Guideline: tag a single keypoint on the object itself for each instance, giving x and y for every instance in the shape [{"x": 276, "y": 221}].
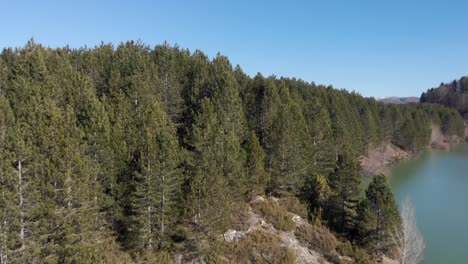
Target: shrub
[
  {"x": 293, "y": 205},
  {"x": 317, "y": 237},
  {"x": 333, "y": 258},
  {"x": 239, "y": 219},
  {"x": 257, "y": 247},
  {"x": 274, "y": 214},
  {"x": 156, "y": 257},
  {"x": 359, "y": 255}
]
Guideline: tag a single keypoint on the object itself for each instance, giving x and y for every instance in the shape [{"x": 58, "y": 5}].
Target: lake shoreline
[{"x": 379, "y": 158}]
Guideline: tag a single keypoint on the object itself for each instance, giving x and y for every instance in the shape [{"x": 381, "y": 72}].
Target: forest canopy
[{"x": 118, "y": 151}]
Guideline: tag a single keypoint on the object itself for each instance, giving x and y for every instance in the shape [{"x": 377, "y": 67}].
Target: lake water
[{"x": 437, "y": 184}]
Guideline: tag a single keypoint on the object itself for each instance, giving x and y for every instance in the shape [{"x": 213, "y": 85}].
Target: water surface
[{"x": 437, "y": 184}]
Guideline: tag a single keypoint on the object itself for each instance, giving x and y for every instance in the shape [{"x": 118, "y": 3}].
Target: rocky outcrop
[
  {"x": 380, "y": 157},
  {"x": 304, "y": 255}
]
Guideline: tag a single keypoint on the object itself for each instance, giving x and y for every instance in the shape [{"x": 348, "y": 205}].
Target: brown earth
[
  {"x": 380, "y": 157},
  {"x": 466, "y": 130},
  {"x": 438, "y": 139}
]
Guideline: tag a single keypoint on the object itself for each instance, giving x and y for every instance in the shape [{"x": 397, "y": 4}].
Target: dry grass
[
  {"x": 239, "y": 219},
  {"x": 279, "y": 217},
  {"x": 161, "y": 257},
  {"x": 317, "y": 237},
  {"x": 260, "y": 247},
  {"x": 293, "y": 205},
  {"x": 359, "y": 255}
]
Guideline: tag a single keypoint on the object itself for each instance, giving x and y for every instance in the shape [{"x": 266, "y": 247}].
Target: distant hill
[
  {"x": 454, "y": 94},
  {"x": 399, "y": 100}
]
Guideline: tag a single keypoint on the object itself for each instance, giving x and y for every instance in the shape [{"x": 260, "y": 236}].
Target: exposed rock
[
  {"x": 297, "y": 220},
  {"x": 379, "y": 157},
  {"x": 387, "y": 260},
  {"x": 233, "y": 235},
  {"x": 346, "y": 259},
  {"x": 304, "y": 255}
]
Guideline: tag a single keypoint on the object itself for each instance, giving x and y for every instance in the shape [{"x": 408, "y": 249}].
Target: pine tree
[
  {"x": 10, "y": 207},
  {"x": 288, "y": 147},
  {"x": 380, "y": 222},
  {"x": 344, "y": 183},
  {"x": 227, "y": 104},
  {"x": 157, "y": 185},
  {"x": 165, "y": 57},
  {"x": 258, "y": 178},
  {"x": 209, "y": 189}
]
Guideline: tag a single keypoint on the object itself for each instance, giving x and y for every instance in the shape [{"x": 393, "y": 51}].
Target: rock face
[
  {"x": 304, "y": 255},
  {"x": 378, "y": 158}
]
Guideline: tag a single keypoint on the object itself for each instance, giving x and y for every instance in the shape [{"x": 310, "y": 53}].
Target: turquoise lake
[{"x": 437, "y": 184}]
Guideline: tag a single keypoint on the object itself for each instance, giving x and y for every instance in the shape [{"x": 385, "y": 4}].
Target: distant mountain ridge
[
  {"x": 454, "y": 94},
  {"x": 399, "y": 100}
]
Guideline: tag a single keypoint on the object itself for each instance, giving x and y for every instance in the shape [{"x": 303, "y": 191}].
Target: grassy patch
[
  {"x": 317, "y": 237},
  {"x": 257, "y": 247},
  {"x": 293, "y": 205},
  {"x": 279, "y": 217},
  {"x": 358, "y": 254}
]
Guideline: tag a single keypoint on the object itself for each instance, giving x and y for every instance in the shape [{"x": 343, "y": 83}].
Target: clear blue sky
[{"x": 378, "y": 48}]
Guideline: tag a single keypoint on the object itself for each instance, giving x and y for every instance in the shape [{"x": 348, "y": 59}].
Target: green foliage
[
  {"x": 380, "y": 222},
  {"x": 317, "y": 192},
  {"x": 257, "y": 247},
  {"x": 258, "y": 178},
  {"x": 357, "y": 254},
  {"x": 454, "y": 94},
  {"x": 113, "y": 151},
  {"x": 208, "y": 185},
  {"x": 344, "y": 182}
]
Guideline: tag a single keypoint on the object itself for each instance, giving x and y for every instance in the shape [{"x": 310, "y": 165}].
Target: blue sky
[{"x": 377, "y": 48}]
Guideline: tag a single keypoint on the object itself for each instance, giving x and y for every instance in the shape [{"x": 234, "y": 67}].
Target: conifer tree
[
  {"x": 379, "y": 219},
  {"x": 258, "y": 178},
  {"x": 155, "y": 201},
  {"x": 231, "y": 121},
  {"x": 209, "y": 189},
  {"x": 165, "y": 57},
  {"x": 9, "y": 204},
  {"x": 288, "y": 147},
  {"x": 344, "y": 183}
]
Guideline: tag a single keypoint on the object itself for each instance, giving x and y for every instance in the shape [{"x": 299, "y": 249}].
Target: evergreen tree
[
  {"x": 379, "y": 219},
  {"x": 344, "y": 183},
  {"x": 209, "y": 189},
  {"x": 157, "y": 191},
  {"x": 134, "y": 142},
  {"x": 165, "y": 57},
  {"x": 258, "y": 178},
  {"x": 288, "y": 147}
]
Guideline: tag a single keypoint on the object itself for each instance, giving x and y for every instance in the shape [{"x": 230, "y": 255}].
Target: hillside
[
  {"x": 453, "y": 94},
  {"x": 137, "y": 154},
  {"x": 399, "y": 100}
]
